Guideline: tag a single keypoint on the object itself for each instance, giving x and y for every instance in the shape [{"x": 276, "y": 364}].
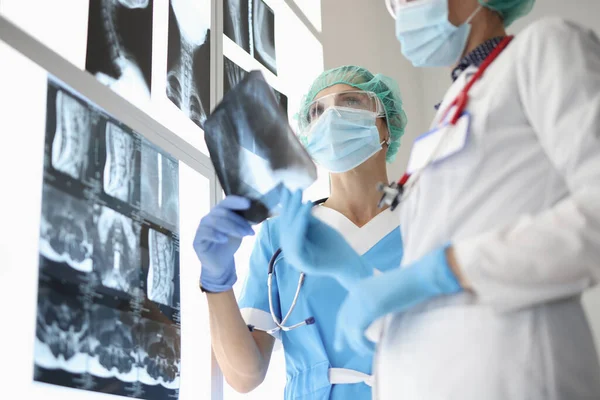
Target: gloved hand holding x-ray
[{"x": 254, "y": 150}]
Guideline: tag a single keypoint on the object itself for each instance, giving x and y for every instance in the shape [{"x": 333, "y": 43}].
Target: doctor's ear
[{"x": 382, "y": 127}]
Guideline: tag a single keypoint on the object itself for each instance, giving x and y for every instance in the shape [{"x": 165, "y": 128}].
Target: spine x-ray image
[
  {"x": 66, "y": 229},
  {"x": 71, "y": 143},
  {"x": 160, "y": 354},
  {"x": 160, "y": 185},
  {"x": 121, "y": 171},
  {"x": 161, "y": 271},
  {"x": 188, "y": 58},
  {"x": 236, "y": 19},
  {"x": 62, "y": 328},
  {"x": 117, "y": 258},
  {"x": 107, "y": 268},
  {"x": 119, "y": 47}
]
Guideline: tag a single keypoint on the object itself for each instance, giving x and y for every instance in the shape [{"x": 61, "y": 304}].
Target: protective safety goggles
[
  {"x": 351, "y": 99},
  {"x": 394, "y": 5}
]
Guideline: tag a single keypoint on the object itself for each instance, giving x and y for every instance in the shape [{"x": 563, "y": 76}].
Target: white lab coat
[{"x": 521, "y": 204}]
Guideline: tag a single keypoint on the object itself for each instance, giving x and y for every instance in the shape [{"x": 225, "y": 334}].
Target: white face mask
[
  {"x": 427, "y": 37},
  {"x": 344, "y": 138}
]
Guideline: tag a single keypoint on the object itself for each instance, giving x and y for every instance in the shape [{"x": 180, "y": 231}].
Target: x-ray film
[
  {"x": 117, "y": 258},
  {"x": 251, "y": 25},
  {"x": 263, "y": 35},
  {"x": 71, "y": 142},
  {"x": 188, "y": 59},
  {"x": 233, "y": 74},
  {"x": 120, "y": 169},
  {"x": 108, "y": 315},
  {"x": 161, "y": 274},
  {"x": 119, "y": 46},
  {"x": 253, "y": 148}
]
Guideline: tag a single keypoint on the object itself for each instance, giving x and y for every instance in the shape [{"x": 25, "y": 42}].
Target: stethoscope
[
  {"x": 281, "y": 324},
  {"x": 397, "y": 192}
]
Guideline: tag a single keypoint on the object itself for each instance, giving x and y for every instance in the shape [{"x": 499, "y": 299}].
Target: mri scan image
[
  {"x": 120, "y": 171},
  {"x": 62, "y": 329},
  {"x": 113, "y": 350},
  {"x": 160, "y": 354},
  {"x": 71, "y": 143},
  {"x": 117, "y": 258},
  {"x": 161, "y": 271},
  {"x": 160, "y": 185},
  {"x": 263, "y": 28},
  {"x": 119, "y": 48},
  {"x": 188, "y": 58},
  {"x": 66, "y": 229}
]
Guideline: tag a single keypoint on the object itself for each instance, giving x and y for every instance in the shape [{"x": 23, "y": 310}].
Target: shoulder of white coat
[{"x": 553, "y": 33}]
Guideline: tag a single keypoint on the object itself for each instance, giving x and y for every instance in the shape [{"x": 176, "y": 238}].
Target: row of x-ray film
[
  {"x": 119, "y": 51},
  {"x": 108, "y": 292},
  {"x": 251, "y": 25}
]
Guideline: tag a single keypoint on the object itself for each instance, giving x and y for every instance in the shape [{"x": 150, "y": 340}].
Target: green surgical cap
[
  {"x": 385, "y": 88},
  {"x": 509, "y": 10}
]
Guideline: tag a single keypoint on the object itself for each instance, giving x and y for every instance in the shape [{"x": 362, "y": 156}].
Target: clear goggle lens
[{"x": 352, "y": 99}]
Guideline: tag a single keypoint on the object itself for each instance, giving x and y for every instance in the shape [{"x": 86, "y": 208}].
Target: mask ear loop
[{"x": 473, "y": 15}]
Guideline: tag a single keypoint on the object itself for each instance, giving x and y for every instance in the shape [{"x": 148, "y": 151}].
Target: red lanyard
[{"x": 460, "y": 102}]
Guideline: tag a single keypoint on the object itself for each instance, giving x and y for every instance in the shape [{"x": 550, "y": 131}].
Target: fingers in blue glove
[
  {"x": 290, "y": 203},
  {"x": 357, "y": 341},
  {"x": 284, "y": 196},
  {"x": 210, "y": 235},
  {"x": 232, "y": 202},
  {"x": 225, "y": 219},
  {"x": 302, "y": 218}
]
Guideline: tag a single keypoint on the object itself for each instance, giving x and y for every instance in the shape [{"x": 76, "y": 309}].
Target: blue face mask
[
  {"x": 427, "y": 38},
  {"x": 343, "y": 138}
]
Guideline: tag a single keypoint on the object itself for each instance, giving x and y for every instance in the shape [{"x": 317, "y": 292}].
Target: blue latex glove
[
  {"x": 391, "y": 292},
  {"x": 218, "y": 237},
  {"x": 315, "y": 248}
]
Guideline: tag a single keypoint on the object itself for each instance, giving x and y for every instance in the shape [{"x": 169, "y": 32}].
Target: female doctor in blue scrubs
[
  {"x": 351, "y": 122},
  {"x": 500, "y": 216}
]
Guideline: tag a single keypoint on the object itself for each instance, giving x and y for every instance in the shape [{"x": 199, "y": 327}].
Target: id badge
[{"x": 439, "y": 143}]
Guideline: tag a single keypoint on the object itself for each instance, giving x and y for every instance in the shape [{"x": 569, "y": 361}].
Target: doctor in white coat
[{"x": 500, "y": 216}]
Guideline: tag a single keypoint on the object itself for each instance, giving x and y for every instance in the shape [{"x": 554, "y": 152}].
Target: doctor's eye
[
  {"x": 355, "y": 100},
  {"x": 315, "y": 111}
]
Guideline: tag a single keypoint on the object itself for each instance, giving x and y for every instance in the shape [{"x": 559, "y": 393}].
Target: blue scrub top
[{"x": 309, "y": 349}]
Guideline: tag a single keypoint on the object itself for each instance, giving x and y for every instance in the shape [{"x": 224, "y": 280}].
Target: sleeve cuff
[{"x": 262, "y": 321}]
